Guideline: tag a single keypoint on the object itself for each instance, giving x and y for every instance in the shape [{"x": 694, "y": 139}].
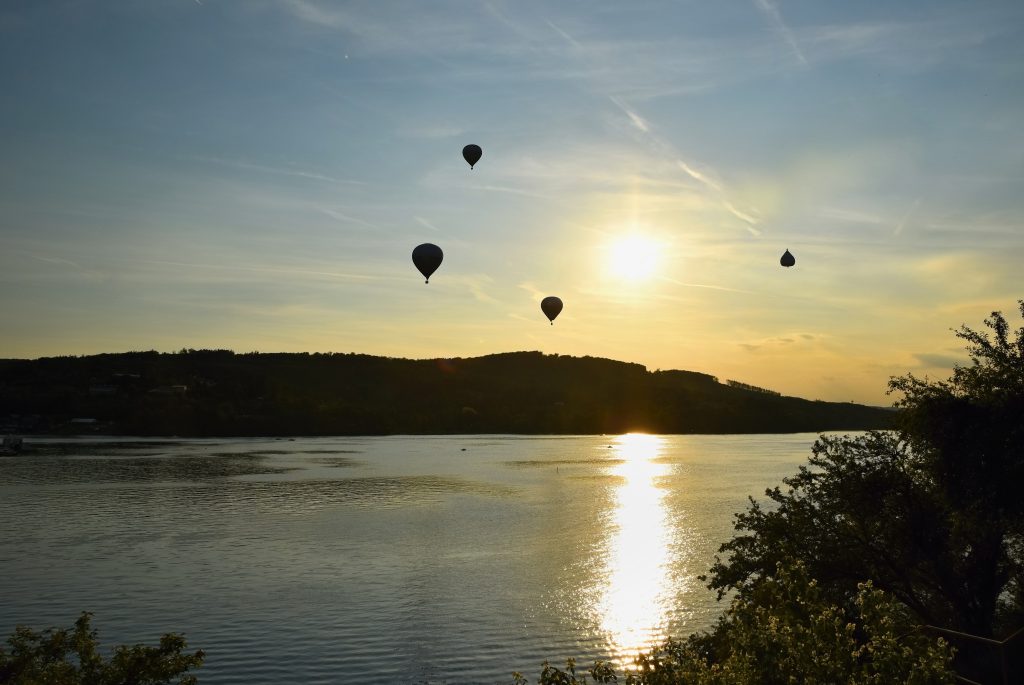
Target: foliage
[
  {"x": 932, "y": 512},
  {"x": 72, "y": 657},
  {"x": 782, "y": 630},
  {"x": 976, "y": 412},
  {"x": 349, "y": 394},
  {"x": 751, "y": 388},
  {"x": 860, "y": 509}
]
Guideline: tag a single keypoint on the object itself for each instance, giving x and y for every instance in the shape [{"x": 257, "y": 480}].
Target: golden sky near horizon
[{"x": 254, "y": 176}]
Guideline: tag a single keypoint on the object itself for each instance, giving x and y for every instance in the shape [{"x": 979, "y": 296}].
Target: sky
[{"x": 254, "y": 174}]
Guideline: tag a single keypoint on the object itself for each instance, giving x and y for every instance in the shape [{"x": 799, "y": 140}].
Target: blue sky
[{"x": 254, "y": 175}]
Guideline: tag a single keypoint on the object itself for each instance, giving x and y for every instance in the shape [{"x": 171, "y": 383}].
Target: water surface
[{"x": 386, "y": 559}]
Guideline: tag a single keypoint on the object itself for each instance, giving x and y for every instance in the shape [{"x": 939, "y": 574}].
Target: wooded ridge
[{"x": 221, "y": 393}]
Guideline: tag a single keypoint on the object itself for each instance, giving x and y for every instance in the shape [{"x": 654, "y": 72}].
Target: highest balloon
[{"x": 472, "y": 154}]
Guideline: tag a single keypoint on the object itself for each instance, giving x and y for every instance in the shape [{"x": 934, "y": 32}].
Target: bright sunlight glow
[
  {"x": 634, "y": 604},
  {"x": 633, "y": 257}
]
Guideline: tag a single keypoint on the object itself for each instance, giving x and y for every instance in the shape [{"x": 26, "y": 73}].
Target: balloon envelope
[
  {"x": 787, "y": 259},
  {"x": 551, "y": 306},
  {"x": 472, "y": 154},
  {"x": 427, "y": 257}
]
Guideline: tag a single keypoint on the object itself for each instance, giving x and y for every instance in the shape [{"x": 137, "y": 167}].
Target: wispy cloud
[
  {"x": 139, "y": 268},
  {"x": 61, "y": 262},
  {"x": 634, "y": 118},
  {"x": 854, "y": 216},
  {"x": 709, "y": 287},
  {"x": 259, "y": 269},
  {"x": 746, "y": 218},
  {"x": 940, "y": 361},
  {"x": 339, "y": 216},
  {"x": 568, "y": 39},
  {"x": 476, "y": 284},
  {"x": 507, "y": 189},
  {"x": 906, "y": 217},
  {"x": 315, "y": 14},
  {"x": 433, "y": 131},
  {"x": 417, "y": 28},
  {"x": 508, "y": 43},
  {"x": 902, "y": 44},
  {"x": 699, "y": 176},
  {"x": 282, "y": 171},
  {"x": 782, "y": 341},
  {"x": 638, "y": 121},
  {"x": 770, "y": 10},
  {"x": 534, "y": 291},
  {"x": 426, "y": 224},
  {"x": 705, "y": 178}
]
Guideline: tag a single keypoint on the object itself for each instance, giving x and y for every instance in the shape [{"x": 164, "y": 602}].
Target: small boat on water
[{"x": 10, "y": 446}]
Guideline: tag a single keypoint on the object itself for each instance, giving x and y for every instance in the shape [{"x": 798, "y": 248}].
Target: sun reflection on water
[{"x": 634, "y": 605}]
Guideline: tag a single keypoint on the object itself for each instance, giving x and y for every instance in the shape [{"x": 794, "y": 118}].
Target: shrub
[{"x": 72, "y": 657}]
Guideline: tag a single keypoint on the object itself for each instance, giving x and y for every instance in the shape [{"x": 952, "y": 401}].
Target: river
[{"x": 387, "y": 559}]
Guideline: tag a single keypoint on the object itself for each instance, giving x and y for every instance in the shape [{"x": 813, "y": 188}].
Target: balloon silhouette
[
  {"x": 472, "y": 154},
  {"x": 427, "y": 257},
  {"x": 551, "y": 306},
  {"x": 787, "y": 259}
]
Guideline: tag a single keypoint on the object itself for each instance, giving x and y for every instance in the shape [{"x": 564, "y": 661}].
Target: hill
[{"x": 221, "y": 393}]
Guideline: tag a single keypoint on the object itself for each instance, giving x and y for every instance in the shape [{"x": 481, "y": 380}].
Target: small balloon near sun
[
  {"x": 551, "y": 306},
  {"x": 788, "y": 259}
]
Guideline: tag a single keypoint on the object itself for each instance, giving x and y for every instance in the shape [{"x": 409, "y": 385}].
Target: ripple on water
[
  {"x": 412, "y": 562},
  {"x": 127, "y": 469},
  {"x": 541, "y": 463}
]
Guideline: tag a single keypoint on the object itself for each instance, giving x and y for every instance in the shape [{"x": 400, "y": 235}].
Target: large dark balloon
[
  {"x": 787, "y": 259},
  {"x": 427, "y": 257},
  {"x": 551, "y": 306},
  {"x": 472, "y": 154}
]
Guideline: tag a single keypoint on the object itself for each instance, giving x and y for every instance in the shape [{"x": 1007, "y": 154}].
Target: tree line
[{"x": 220, "y": 393}]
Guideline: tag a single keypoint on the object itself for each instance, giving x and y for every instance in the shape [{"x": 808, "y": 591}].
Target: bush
[
  {"x": 71, "y": 657},
  {"x": 931, "y": 512}
]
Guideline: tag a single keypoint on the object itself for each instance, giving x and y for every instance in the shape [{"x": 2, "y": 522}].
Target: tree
[
  {"x": 72, "y": 657},
  {"x": 969, "y": 433},
  {"x": 931, "y": 512},
  {"x": 783, "y": 629}
]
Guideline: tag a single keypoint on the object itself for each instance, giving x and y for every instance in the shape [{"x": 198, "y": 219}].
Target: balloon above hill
[
  {"x": 472, "y": 154},
  {"x": 551, "y": 306},
  {"x": 787, "y": 259},
  {"x": 427, "y": 257}
]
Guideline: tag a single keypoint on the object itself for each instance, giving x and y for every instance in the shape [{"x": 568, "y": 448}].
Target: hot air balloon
[
  {"x": 787, "y": 259},
  {"x": 472, "y": 154},
  {"x": 427, "y": 257},
  {"x": 551, "y": 306}
]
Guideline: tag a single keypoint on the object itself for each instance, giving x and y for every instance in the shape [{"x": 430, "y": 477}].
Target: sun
[{"x": 634, "y": 258}]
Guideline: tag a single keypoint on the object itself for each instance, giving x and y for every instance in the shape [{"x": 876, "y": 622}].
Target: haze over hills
[{"x": 221, "y": 393}]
